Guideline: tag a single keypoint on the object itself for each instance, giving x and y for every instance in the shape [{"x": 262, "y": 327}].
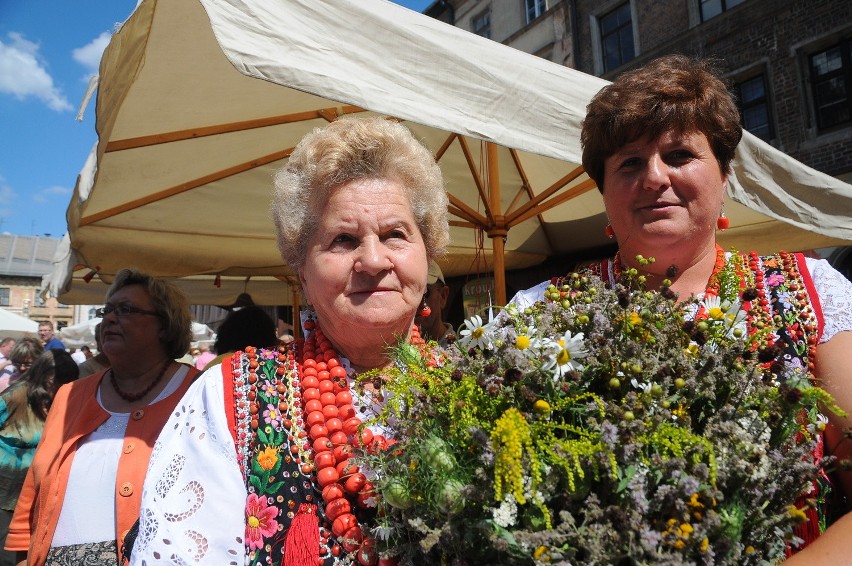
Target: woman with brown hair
[{"x": 84, "y": 486}]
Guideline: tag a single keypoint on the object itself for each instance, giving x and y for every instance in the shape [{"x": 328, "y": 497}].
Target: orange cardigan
[{"x": 74, "y": 414}]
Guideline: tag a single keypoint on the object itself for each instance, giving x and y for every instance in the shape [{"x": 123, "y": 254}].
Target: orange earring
[
  {"x": 610, "y": 233},
  {"x": 425, "y": 310},
  {"x": 723, "y": 222}
]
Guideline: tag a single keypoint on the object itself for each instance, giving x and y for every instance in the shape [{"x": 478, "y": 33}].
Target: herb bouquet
[{"x": 598, "y": 426}]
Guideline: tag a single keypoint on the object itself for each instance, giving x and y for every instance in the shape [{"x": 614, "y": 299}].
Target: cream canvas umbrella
[
  {"x": 199, "y": 102},
  {"x": 15, "y": 326},
  {"x": 83, "y": 333},
  {"x": 73, "y": 283}
]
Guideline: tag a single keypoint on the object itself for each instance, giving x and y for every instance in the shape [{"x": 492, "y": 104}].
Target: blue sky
[{"x": 49, "y": 49}]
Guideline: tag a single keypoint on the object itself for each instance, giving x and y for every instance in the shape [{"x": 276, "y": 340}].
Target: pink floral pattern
[{"x": 260, "y": 520}]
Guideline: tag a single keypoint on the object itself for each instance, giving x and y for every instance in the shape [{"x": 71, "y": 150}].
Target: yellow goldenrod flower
[{"x": 694, "y": 503}]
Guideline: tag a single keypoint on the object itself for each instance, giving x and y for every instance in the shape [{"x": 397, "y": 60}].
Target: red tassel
[{"x": 301, "y": 547}]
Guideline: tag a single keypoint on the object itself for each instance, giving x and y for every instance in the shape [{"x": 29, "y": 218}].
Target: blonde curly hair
[{"x": 349, "y": 149}]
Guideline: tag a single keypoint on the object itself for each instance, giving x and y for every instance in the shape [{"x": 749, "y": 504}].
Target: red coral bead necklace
[{"x": 334, "y": 432}]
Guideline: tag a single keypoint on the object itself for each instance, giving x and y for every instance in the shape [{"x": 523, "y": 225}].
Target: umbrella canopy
[
  {"x": 199, "y": 102},
  {"x": 72, "y": 283},
  {"x": 15, "y": 326},
  {"x": 83, "y": 334}
]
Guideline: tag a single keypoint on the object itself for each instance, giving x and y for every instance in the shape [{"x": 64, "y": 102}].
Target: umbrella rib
[
  {"x": 525, "y": 188},
  {"x": 476, "y": 179},
  {"x": 534, "y": 202},
  {"x": 465, "y": 212},
  {"x": 461, "y": 224},
  {"x": 192, "y": 133},
  {"x": 183, "y": 187},
  {"x": 576, "y": 191}
]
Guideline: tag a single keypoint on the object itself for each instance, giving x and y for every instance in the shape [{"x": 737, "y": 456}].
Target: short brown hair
[
  {"x": 669, "y": 93},
  {"x": 27, "y": 348},
  {"x": 170, "y": 304}
]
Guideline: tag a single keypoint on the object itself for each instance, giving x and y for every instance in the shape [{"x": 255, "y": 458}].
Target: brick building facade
[{"x": 790, "y": 61}]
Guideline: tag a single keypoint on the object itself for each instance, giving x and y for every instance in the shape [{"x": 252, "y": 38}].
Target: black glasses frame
[{"x": 123, "y": 310}]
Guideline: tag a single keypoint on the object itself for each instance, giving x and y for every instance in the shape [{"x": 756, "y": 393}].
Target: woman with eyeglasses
[
  {"x": 83, "y": 490},
  {"x": 23, "y": 355}
]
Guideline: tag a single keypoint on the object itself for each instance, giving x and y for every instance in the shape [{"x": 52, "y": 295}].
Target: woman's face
[
  {"x": 135, "y": 334},
  {"x": 664, "y": 192},
  {"x": 365, "y": 271}
]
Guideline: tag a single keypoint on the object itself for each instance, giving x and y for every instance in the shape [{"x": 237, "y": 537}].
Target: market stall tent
[
  {"x": 16, "y": 326},
  {"x": 200, "y": 101}
]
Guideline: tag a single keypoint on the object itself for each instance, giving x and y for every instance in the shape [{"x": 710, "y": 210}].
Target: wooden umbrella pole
[{"x": 497, "y": 232}]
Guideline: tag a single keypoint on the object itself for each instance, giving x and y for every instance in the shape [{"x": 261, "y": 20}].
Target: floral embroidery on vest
[{"x": 273, "y": 452}]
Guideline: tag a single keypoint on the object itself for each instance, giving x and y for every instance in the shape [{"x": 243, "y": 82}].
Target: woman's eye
[
  {"x": 343, "y": 238},
  {"x": 680, "y": 155},
  {"x": 629, "y": 163}
]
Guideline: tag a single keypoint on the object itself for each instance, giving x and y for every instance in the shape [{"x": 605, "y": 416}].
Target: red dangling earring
[
  {"x": 723, "y": 222},
  {"x": 610, "y": 233},
  {"x": 425, "y": 310}
]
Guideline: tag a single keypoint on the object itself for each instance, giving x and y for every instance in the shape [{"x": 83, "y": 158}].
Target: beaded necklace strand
[
  {"x": 335, "y": 432},
  {"x": 132, "y": 397}
]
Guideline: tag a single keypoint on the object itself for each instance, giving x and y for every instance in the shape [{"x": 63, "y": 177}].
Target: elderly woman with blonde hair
[{"x": 360, "y": 209}]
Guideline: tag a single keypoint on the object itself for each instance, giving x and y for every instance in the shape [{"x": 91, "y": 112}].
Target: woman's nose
[
  {"x": 657, "y": 174},
  {"x": 373, "y": 257}
]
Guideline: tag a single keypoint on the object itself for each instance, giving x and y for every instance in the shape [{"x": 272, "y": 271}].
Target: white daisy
[
  {"x": 644, "y": 387},
  {"x": 818, "y": 425},
  {"x": 566, "y": 352},
  {"x": 735, "y": 319},
  {"x": 475, "y": 333}
]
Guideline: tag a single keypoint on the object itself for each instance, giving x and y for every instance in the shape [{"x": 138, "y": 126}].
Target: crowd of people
[{"x": 125, "y": 450}]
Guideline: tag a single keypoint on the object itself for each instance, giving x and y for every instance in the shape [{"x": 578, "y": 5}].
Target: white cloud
[
  {"x": 50, "y": 194},
  {"x": 22, "y": 73},
  {"x": 90, "y": 54}
]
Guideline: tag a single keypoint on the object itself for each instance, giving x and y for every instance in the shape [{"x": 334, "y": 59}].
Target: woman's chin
[
  {"x": 368, "y": 321},
  {"x": 661, "y": 237}
]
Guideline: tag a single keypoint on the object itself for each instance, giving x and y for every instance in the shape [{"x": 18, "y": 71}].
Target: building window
[
  {"x": 831, "y": 80},
  {"x": 712, "y": 8},
  {"x": 4, "y": 296},
  {"x": 482, "y": 24},
  {"x": 754, "y": 107},
  {"x": 535, "y": 8},
  {"x": 617, "y": 37}
]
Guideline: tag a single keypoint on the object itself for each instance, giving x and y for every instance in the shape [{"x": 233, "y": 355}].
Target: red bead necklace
[{"x": 334, "y": 431}]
